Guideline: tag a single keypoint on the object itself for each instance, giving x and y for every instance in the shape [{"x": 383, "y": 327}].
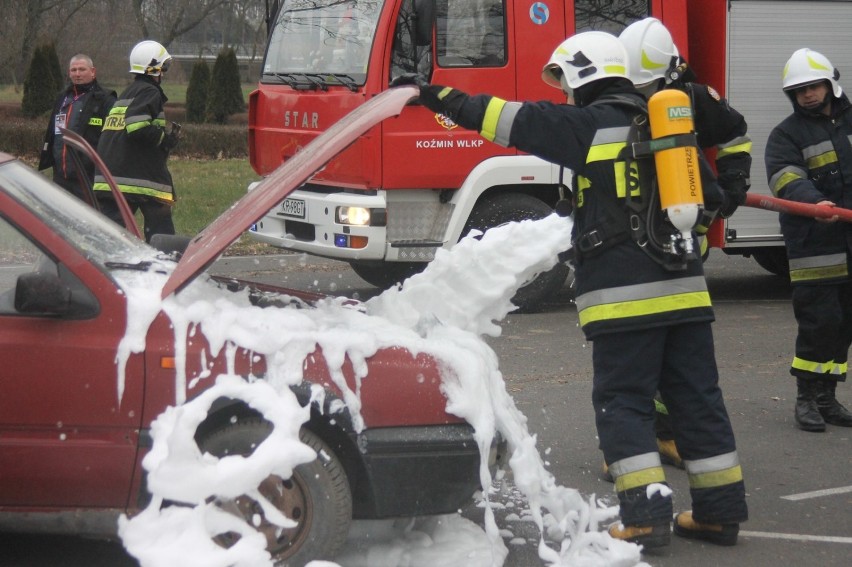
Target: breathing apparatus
[{"x": 677, "y": 162}]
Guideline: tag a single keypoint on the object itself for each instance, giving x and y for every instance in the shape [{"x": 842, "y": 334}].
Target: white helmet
[
  {"x": 583, "y": 58},
  {"x": 806, "y": 67},
  {"x": 650, "y": 50},
  {"x": 149, "y": 58}
]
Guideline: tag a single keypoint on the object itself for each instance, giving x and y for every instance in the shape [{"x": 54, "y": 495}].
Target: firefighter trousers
[
  {"x": 679, "y": 361},
  {"x": 156, "y": 214},
  {"x": 824, "y": 315}
]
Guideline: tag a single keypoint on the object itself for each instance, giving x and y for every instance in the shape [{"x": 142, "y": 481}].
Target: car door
[{"x": 66, "y": 439}]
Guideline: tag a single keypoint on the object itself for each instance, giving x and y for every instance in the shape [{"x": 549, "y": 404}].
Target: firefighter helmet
[
  {"x": 651, "y": 51},
  {"x": 806, "y": 67},
  {"x": 583, "y": 58},
  {"x": 149, "y": 58}
]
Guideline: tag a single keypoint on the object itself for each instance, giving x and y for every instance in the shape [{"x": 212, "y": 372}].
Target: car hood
[{"x": 212, "y": 241}]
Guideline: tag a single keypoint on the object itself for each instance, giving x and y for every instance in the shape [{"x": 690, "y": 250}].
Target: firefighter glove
[
  {"x": 170, "y": 140},
  {"x": 731, "y": 200},
  {"x": 409, "y": 79},
  {"x": 443, "y": 100},
  {"x": 734, "y": 185}
]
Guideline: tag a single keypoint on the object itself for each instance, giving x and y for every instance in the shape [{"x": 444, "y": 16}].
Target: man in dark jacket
[
  {"x": 809, "y": 159},
  {"x": 136, "y": 142},
  {"x": 81, "y": 108},
  {"x": 645, "y": 306}
]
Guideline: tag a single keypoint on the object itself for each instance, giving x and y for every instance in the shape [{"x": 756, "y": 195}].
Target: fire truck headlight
[{"x": 358, "y": 216}]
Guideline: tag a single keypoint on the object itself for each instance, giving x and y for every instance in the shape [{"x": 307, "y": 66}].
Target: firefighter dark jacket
[
  {"x": 809, "y": 159},
  {"x": 84, "y": 110},
  {"x": 619, "y": 288},
  {"x": 722, "y": 128},
  {"x": 131, "y": 144}
]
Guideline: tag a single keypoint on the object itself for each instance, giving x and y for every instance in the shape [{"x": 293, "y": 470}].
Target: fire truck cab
[{"x": 419, "y": 183}]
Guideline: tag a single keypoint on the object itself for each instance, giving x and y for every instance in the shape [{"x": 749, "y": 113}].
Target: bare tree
[
  {"x": 166, "y": 20},
  {"x": 107, "y": 29},
  {"x": 25, "y": 22}
]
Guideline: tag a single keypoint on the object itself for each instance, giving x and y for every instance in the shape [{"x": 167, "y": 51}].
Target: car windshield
[
  {"x": 317, "y": 43},
  {"x": 93, "y": 235}
]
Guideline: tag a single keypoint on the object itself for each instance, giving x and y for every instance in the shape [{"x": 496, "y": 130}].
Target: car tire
[
  {"x": 501, "y": 208},
  {"x": 317, "y": 496}
]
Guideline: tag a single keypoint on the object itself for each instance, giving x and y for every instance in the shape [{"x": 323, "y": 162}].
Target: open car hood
[{"x": 212, "y": 241}]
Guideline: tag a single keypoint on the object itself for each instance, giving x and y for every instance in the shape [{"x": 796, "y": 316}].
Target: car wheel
[
  {"x": 385, "y": 275},
  {"x": 773, "y": 260},
  {"x": 507, "y": 207},
  {"x": 317, "y": 496}
]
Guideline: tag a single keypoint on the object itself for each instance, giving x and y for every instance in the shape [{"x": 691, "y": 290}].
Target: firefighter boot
[
  {"x": 646, "y": 536},
  {"x": 830, "y": 409},
  {"x": 605, "y": 474},
  {"x": 720, "y": 534},
  {"x": 808, "y": 416},
  {"x": 668, "y": 452}
]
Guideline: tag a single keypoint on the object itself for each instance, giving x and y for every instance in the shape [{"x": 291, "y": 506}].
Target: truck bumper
[
  {"x": 416, "y": 224},
  {"x": 317, "y": 232},
  {"x": 422, "y": 470}
]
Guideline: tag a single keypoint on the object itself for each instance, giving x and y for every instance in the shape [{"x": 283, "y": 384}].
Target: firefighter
[
  {"x": 647, "y": 311},
  {"x": 655, "y": 64},
  {"x": 809, "y": 159},
  {"x": 136, "y": 142}
]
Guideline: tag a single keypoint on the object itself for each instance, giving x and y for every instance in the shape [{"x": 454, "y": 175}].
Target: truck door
[{"x": 472, "y": 50}]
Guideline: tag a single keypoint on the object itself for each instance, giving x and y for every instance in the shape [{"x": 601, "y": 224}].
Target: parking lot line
[
  {"x": 818, "y": 493},
  {"x": 797, "y": 537}
]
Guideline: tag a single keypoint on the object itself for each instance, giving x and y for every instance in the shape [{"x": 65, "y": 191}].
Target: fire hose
[{"x": 796, "y": 208}]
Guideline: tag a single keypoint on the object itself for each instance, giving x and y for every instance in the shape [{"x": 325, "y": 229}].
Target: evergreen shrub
[{"x": 196, "y": 93}]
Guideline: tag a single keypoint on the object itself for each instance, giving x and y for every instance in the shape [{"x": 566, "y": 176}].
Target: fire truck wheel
[
  {"x": 317, "y": 496},
  {"x": 501, "y": 208},
  {"x": 773, "y": 260},
  {"x": 386, "y": 274}
]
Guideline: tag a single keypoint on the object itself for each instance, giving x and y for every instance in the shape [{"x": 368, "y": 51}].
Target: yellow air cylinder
[{"x": 678, "y": 173}]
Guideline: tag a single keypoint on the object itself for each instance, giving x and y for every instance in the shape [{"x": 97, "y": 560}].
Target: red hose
[{"x": 796, "y": 208}]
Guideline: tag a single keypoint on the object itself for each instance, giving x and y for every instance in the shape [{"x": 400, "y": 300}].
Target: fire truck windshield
[{"x": 317, "y": 43}]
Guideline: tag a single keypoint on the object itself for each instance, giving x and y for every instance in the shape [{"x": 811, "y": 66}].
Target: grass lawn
[{"x": 207, "y": 188}]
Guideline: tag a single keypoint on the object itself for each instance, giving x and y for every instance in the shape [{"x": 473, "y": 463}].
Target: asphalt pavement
[{"x": 799, "y": 484}]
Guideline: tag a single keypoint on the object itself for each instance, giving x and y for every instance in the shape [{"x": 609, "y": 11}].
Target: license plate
[{"x": 293, "y": 208}]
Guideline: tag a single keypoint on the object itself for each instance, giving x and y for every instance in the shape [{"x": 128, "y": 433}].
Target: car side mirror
[
  {"x": 51, "y": 294},
  {"x": 40, "y": 293}
]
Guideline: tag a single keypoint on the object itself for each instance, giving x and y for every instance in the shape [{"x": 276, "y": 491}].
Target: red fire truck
[{"x": 419, "y": 183}]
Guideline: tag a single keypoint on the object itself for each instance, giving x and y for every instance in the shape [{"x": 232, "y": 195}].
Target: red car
[{"x": 71, "y": 445}]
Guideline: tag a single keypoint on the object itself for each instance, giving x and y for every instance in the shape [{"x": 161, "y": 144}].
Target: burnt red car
[{"x": 71, "y": 447}]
